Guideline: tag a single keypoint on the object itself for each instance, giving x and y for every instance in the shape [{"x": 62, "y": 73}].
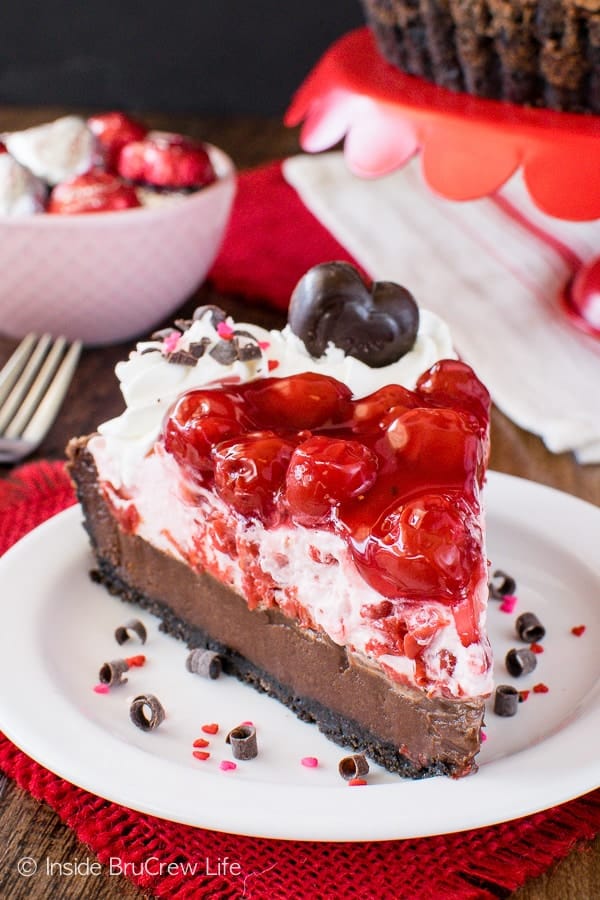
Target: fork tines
[{"x": 33, "y": 384}]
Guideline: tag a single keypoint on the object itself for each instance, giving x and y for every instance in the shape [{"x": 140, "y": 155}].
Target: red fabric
[
  {"x": 473, "y": 865},
  {"x": 271, "y": 241}
]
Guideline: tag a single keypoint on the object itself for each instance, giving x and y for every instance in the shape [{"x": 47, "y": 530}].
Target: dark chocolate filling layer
[{"x": 352, "y": 703}]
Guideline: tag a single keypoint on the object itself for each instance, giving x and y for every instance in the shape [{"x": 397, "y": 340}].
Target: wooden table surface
[{"x": 28, "y": 828}]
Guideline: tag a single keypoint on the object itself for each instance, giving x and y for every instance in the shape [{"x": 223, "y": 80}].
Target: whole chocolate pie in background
[{"x": 543, "y": 53}]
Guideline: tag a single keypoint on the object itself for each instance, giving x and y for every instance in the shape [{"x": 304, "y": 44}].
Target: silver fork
[{"x": 33, "y": 384}]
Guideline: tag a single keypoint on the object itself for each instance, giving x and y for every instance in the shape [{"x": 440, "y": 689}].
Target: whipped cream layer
[{"x": 308, "y": 573}]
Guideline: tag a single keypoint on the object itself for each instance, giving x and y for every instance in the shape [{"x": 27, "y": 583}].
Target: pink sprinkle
[
  {"x": 264, "y": 345},
  {"x": 483, "y": 737},
  {"x": 508, "y": 604},
  {"x": 101, "y": 688},
  {"x": 247, "y": 722},
  {"x": 171, "y": 341},
  {"x": 225, "y": 331},
  {"x": 226, "y": 766},
  {"x": 311, "y": 762}
]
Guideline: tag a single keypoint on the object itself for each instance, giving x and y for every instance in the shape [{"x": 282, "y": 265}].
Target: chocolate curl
[
  {"x": 182, "y": 358},
  {"x": 146, "y": 712},
  {"x": 506, "y": 700},
  {"x": 243, "y": 742},
  {"x": 520, "y": 662},
  {"x": 225, "y": 353},
  {"x": 353, "y": 766},
  {"x": 216, "y": 314},
  {"x": 502, "y": 585},
  {"x": 112, "y": 672},
  {"x": 529, "y": 628},
  {"x": 123, "y": 632},
  {"x": 204, "y": 663}
]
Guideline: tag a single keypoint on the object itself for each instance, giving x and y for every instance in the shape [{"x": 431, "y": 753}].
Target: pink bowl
[{"x": 109, "y": 277}]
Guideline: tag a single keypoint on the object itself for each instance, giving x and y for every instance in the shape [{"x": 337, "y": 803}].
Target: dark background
[{"x": 209, "y": 56}]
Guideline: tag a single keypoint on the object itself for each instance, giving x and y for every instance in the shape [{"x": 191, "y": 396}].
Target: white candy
[
  {"x": 56, "y": 151},
  {"x": 21, "y": 193}
]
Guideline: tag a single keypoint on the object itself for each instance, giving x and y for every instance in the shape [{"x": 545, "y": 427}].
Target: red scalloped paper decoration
[{"x": 469, "y": 146}]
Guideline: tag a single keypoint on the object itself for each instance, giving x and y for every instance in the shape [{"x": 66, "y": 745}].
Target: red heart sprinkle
[
  {"x": 355, "y": 782},
  {"x": 272, "y": 364},
  {"x": 523, "y": 695},
  {"x": 536, "y": 648},
  {"x": 225, "y": 331},
  {"x": 200, "y": 742},
  {"x": 211, "y": 728},
  {"x": 200, "y": 754},
  {"x": 578, "y": 630},
  {"x": 540, "y": 688},
  {"x": 139, "y": 660}
]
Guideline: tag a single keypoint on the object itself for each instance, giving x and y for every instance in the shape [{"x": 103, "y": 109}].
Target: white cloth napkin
[{"x": 494, "y": 281}]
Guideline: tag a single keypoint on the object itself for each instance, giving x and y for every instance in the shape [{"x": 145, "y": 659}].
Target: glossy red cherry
[
  {"x": 452, "y": 383},
  {"x": 298, "y": 402},
  {"x": 167, "y": 161},
  {"x": 428, "y": 547},
  {"x": 113, "y": 130},
  {"x": 91, "y": 193},
  {"x": 375, "y": 409},
  {"x": 435, "y": 447},
  {"x": 250, "y": 472},
  {"x": 325, "y": 471},
  {"x": 198, "y": 420}
]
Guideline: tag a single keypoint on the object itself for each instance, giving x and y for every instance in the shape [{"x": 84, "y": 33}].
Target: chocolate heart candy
[{"x": 331, "y": 303}]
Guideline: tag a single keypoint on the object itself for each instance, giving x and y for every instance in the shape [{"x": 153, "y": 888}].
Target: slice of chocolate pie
[{"x": 307, "y": 503}]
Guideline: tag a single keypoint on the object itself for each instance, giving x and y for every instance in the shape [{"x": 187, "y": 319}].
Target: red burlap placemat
[
  {"x": 270, "y": 242},
  {"x": 485, "y": 863}
]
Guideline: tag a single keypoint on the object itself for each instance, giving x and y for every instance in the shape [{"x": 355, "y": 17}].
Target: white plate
[{"x": 57, "y": 629}]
